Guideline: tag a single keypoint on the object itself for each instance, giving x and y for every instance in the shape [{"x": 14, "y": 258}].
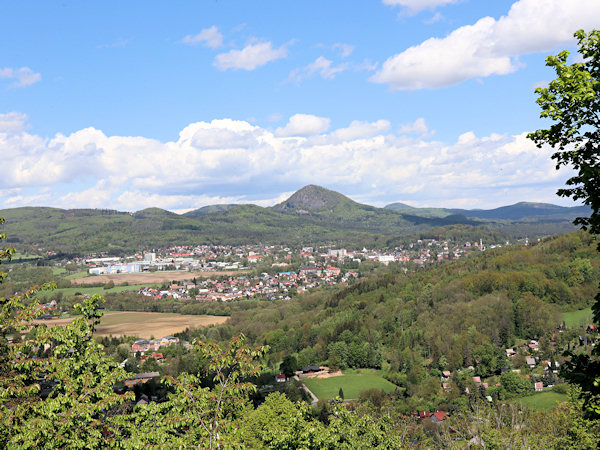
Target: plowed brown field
[
  {"x": 144, "y": 324},
  {"x": 150, "y": 277}
]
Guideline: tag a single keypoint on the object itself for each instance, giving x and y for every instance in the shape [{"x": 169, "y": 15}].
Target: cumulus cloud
[
  {"x": 490, "y": 46},
  {"x": 252, "y": 56},
  {"x": 303, "y": 125},
  {"x": 233, "y": 161},
  {"x": 23, "y": 76},
  {"x": 211, "y": 37},
  {"x": 12, "y": 122}
]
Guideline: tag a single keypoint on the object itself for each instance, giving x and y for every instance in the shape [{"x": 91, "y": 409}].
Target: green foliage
[
  {"x": 289, "y": 365},
  {"x": 515, "y": 384},
  {"x": 572, "y": 103}
]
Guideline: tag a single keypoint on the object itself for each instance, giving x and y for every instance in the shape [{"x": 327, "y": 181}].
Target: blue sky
[{"x": 180, "y": 104}]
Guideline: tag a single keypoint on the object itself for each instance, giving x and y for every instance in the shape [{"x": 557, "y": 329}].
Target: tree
[
  {"x": 572, "y": 103},
  {"x": 288, "y": 366},
  {"x": 72, "y": 374},
  {"x": 195, "y": 415}
]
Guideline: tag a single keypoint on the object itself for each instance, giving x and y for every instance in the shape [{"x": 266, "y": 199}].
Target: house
[
  {"x": 477, "y": 380},
  {"x": 446, "y": 387},
  {"x": 311, "y": 369},
  {"x": 530, "y": 361},
  {"x": 447, "y": 374},
  {"x": 438, "y": 416},
  {"x": 533, "y": 346},
  {"x": 510, "y": 352},
  {"x": 280, "y": 378},
  {"x": 539, "y": 386}
]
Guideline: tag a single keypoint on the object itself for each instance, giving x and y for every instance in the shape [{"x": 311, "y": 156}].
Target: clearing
[
  {"x": 144, "y": 324},
  {"x": 150, "y": 277},
  {"x": 543, "y": 400},
  {"x": 352, "y": 385},
  {"x": 578, "y": 317}
]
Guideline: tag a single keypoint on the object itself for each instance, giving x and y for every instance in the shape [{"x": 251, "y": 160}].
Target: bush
[{"x": 562, "y": 388}]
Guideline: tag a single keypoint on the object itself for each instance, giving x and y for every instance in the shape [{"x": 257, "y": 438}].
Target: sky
[{"x": 182, "y": 104}]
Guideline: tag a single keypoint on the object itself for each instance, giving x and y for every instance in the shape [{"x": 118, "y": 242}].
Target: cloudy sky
[{"x": 181, "y": 104}]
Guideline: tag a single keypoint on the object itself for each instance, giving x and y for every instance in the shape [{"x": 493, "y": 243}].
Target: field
[
  {"x": 576, "y": 318},
  {"x": 93, "y": 290},
  {"x": 543, "y": 400},
  {"x": 144, "y": 324},
  {"x": 352, "y": 384},
  {"x": 150, "y": 277}
]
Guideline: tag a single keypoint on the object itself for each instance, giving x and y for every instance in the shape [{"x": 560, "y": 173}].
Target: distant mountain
[
  {"x": 311, "y": 215},
  {"x": 209, "y": 209},
  {"x": 153, "y": 212},
  {"x": 423, "y": 212},
  {"x": 522, "y": 211},
  {"x": 314, "y": 198}
]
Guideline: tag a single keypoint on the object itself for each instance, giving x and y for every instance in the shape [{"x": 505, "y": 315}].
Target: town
[{"x": 271, "y": 272}]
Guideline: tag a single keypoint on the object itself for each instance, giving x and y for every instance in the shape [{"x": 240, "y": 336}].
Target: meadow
[
  {"x": 144, "y": 324},
  {"x": 577, "y": 318},
  {"x": 543, "y": 400},
  {"x": 352, "y": 384},
  {"x": 94, "y": 290}
]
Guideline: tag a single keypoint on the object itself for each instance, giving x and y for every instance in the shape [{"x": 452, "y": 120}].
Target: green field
[
  {"x": 73, "y": 276},
  {"x": 353, "y": 384},
  {"x": 543, "y": 400},
  {"x": 576, "y": 318},
  {"x": 95, "y": 290}
]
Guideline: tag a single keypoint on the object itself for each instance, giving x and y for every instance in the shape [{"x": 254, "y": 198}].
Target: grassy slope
[
  {"x": 578, "y": 317},
  {"x": 543, "y": 400},
  {"x": 352, "y": 384}
]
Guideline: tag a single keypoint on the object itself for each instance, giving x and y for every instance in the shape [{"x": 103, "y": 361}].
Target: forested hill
[
  {"x": 313, "y": 215},
  {"x": 522, "y": 211},
  {"x": 447, "y": 317}
]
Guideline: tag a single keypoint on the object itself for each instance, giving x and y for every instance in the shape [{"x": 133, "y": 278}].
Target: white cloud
[
  {"x": 418, "y": 127},
  {"x": 211, "y": 37},
  {"x": 361, "y": 130},
  {"x": 12, "y": 122},
  {"x": 345, "y": 49},
  {"x": 304, "y": 125},
  {"x": 418, "y": 5},
  {"x": 322, "y": 66},
  {"x": 489, "y": 47},
  {"x": 232, "y": 161},
  {"x": 23, "y": 76},
  {"x": 252, "y": 56}
]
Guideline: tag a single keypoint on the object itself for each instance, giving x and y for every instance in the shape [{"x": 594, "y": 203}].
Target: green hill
[{"x": 312, "y": 215}]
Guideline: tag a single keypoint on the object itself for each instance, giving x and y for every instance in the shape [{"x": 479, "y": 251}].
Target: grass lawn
[
  {"x": 352, "y": 384},
  {"x": 579, "y": 317},
  {"x": 543, "y": 400},
  {"x": 58, "y": 270}
]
